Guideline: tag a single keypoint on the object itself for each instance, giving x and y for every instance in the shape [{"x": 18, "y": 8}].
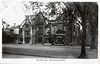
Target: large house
[
  {"x": 31, "y": 30},
  {"x": 37, "y": 29}
]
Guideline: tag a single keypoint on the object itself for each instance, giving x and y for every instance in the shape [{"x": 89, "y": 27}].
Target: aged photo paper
[{"x": 40, "y": 31}]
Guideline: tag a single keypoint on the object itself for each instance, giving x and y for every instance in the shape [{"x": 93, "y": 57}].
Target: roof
[
  {"x": 26, "y": 20},
  {"x": 33, "y": 17}
]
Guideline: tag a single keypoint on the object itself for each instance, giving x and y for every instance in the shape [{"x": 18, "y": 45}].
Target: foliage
[{"x": 8, "y": 37}]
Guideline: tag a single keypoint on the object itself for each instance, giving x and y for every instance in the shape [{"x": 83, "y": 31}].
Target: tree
[
  {"x": 93, "y": 22},
  {"x": 69, "y": 13},
  {"x": 89, "y": 14},
  {"x": 81, "y": 7}
]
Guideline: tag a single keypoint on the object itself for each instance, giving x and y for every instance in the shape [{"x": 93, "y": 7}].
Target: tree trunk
[{"x": 83, "y": 50}]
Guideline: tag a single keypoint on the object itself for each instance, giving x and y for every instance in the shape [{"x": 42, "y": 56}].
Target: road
[
  {"x": 19, "y": 56},
  {"x": 47, "y": 51}
]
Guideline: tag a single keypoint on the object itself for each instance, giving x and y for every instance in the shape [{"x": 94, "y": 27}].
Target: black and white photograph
[{"x": 58, "y": 30}]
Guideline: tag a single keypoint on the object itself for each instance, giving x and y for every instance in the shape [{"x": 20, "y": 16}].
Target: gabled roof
[
  {"x": 33, "y": 17},
  {"x": 26, "y": 20}
]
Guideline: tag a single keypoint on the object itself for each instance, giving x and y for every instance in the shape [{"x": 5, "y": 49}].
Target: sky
[{"x": 12, "y": 12}]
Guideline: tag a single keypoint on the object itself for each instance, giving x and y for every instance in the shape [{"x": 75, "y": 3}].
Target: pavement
[{"x": 66, "y": 52}]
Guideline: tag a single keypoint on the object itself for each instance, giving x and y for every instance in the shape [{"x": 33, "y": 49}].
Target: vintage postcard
[{"x": 62, "y": 32}]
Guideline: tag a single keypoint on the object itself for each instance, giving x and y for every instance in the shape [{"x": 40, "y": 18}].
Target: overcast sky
[{"x": 12, "y": 12}]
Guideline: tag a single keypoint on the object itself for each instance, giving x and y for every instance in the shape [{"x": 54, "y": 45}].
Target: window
[{"x": 27, "y": 33}]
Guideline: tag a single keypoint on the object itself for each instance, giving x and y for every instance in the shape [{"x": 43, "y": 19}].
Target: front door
[
  {"x": 39, "y": 39},
  {"x": 27, "y": 40},
  {"x": 27, "y": 37}
]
